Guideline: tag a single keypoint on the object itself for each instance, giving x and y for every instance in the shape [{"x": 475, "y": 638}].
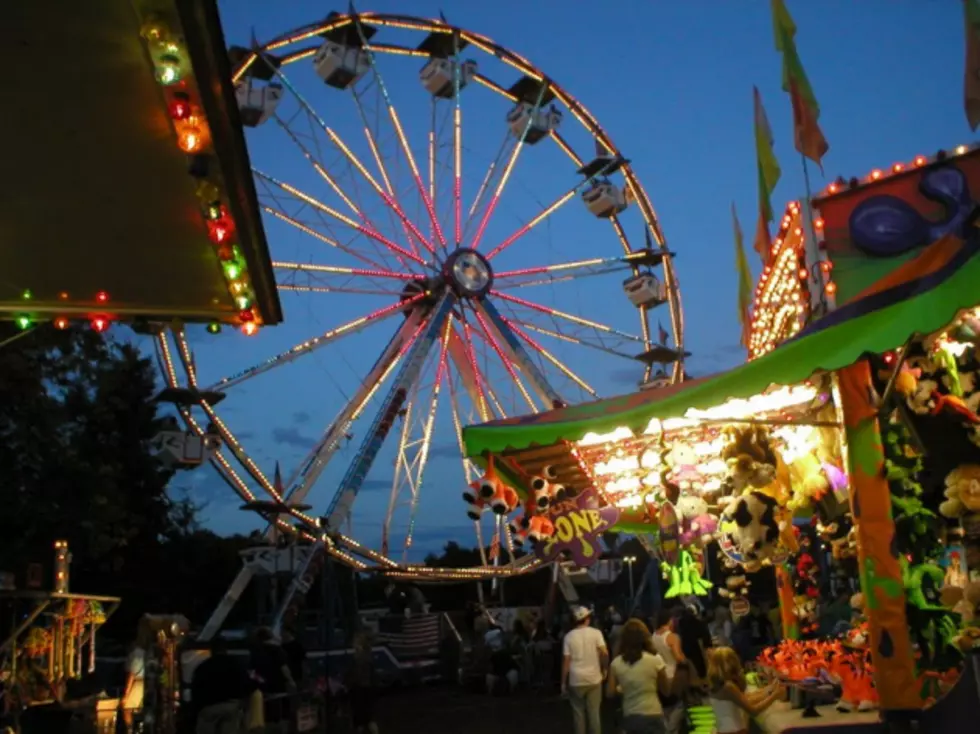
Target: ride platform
[{"x": 128, "y": 193}]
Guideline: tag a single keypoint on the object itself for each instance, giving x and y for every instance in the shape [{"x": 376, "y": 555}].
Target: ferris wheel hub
[{"x": 468, "y": 273}]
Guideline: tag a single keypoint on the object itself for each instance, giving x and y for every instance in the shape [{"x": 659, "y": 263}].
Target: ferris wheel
[{"x": 439, "y": 274}]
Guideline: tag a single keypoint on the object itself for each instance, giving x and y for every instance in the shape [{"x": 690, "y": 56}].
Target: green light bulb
[
  {"x": 23, "y": 322},
  {"x": 168, "y": 72},
  {"x": 232, "y": 271},
  {"x": 27, "y": 295},
  {"x": 214, "y": 328},
  {"x": 242, "y": 302}
]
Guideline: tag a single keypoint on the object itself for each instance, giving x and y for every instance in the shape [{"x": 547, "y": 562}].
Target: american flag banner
[
  {"x": 662, "y": 334},
  {"x": 416, "y": 636},
  {"x": 495, "y": 543}
]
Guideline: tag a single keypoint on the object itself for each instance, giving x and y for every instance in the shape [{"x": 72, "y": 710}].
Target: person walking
[
  {"x": 667, "y": 644},
  {"x": 640, "y": 675},
  {"x": 219, "y": 688},
  {"x": 585, "y": 660},
  {"x": 361, "y": 683}
]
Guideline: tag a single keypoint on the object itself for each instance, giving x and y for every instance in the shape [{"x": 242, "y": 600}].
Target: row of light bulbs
[{"x": 194, "y": 138}]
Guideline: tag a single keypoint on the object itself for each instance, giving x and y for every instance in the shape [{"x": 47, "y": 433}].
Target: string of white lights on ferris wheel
[{"x": 445, "y": 292}]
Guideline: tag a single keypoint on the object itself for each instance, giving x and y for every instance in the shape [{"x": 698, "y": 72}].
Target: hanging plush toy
[
  {"x": 541, "y": 489},
  {"x": 558, "y": 491},
  {"x": 697, "y": 524},
  {"x": 540, "y": 529},
  {"x": 682, "y": 467},
  {"x": 757, "y": 529},
  {"x": 736, "y": 591},
  {"x": 475, "y": 504},
  {"x": 750, "y": 457},
  {"x": 685, "y": 577},
  {"x": 962, "y": 492},
  {"x": 504, "y": 500}
]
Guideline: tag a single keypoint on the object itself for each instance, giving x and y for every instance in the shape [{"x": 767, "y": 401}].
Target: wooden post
[{"x": 878, "y": 557}]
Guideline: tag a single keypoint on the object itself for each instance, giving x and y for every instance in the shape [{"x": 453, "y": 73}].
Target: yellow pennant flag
[
  {"x": 744, "y": 280},
  {"x": 808, "y": 136},
  {"x": 768, "y": 172},
  {"x": 971, "y": 13}
]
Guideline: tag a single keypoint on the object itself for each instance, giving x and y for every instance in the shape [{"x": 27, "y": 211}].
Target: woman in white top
[
  {"x": 640, "y": 675},
  {"x": 731, "y": 703}
]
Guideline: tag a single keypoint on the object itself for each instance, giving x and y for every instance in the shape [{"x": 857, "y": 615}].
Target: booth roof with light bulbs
[{"x": 128, "y": 192}]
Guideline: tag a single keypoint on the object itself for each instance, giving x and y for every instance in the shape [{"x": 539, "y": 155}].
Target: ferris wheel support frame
[{"x": 339, "y": 508}]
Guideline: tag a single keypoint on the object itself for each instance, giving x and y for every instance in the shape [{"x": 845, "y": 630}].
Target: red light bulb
[
  {"x": 220, "y": 231},
  {"x": 61, "y": 323},
  {"x": 101, "y": 296},
  {"x": 246, "y": 315},
  {"x": 100, "y": 324},
  {"x": 180, "y": 106}
]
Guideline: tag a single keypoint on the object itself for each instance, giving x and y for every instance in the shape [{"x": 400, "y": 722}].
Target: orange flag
[
  {"x": 971, "y": 12},
  {"x": 808, "y": 136}
]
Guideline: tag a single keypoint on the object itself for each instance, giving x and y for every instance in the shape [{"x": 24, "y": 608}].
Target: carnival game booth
[
  {"x": 133, "y": 198},
  {"x": 845, "y": 412},
  {"x": 47, "y": 646}
]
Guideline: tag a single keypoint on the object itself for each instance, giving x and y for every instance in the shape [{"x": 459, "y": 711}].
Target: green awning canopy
[{"x": 921, "y": 297}]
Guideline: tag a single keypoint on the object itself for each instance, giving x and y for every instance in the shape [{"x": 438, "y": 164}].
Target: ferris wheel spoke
[
  {"x": 505, "y": 359},
  {"x": 340, "y": 506},
  {"x": 389, "y": 195},
  {"x": 558, "y": 364},
  {"x": 310, "y": 268},
  {"x": 315, "y": 343},
  {"x": 555, "y": 313},
  {"x": 457, "y": 145},
  {"x": 464, "y": 359},
  {"x": 487, "y": 181},
  {"x": 308, "y": 471},
  {"x": 494, "y": 325},
  {"x": 508, "y": 170},
  {"x": 332, "y": 183},
  {"x": 356, "y": 162},
  {"x": 317, "y": 204},
  {"x": 524, "y": 278},
  {"x": 544, "y": 214},
  {"x": 413, "y": 450},
  {"x": 570, "y": 339},
  {"x": 292, "y": 221},
  {"x": 400, "y": 133}
]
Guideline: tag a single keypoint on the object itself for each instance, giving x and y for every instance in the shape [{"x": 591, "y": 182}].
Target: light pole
[{"x": 629, "y": 561}]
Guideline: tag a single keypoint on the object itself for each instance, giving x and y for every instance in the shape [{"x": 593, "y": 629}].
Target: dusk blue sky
[{"x": 671, "y": 82}]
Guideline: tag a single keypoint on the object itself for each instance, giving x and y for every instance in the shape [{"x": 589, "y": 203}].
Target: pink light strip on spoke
[
  {"x": 489, "y": 338},
  {"x": 335, "y": 270},
  {"x": 367, "y": 231},
  {"x": 533, "y": 223},
  {"x": 557, "y": 267},
  {"x": 458, "y": 165},
  {"x": 483, "y": 407},
  {"x": 393, "y": 113},
  {"x": 496, "y": 194},
  {"x": 552, "y": 311}
]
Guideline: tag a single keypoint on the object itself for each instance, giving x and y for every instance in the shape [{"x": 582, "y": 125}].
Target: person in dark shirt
[
  {"x": 695, "y": 639},
  {"x": 271, "y": 666},
  {"x": 295, "y": 655},
  {"x": 219, "y": 687}
]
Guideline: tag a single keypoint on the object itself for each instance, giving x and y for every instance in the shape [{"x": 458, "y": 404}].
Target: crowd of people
[{"x": 657, "y": 671}]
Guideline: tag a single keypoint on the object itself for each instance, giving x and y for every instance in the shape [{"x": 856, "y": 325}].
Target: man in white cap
[{"x": 584, "y": 664}]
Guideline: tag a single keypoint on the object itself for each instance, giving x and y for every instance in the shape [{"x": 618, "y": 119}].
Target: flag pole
[{"x": 811, "y": 232}]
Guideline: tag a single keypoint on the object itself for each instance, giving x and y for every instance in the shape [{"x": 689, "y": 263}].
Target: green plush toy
[{"x": 685, "y": 577}]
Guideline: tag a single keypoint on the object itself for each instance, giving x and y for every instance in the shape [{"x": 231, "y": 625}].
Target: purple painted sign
[{"x": 579, "y": 522}]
